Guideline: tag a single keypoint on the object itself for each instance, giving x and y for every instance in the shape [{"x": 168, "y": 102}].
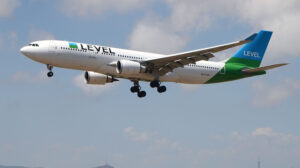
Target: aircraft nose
[{"x": 24, "y": 50}]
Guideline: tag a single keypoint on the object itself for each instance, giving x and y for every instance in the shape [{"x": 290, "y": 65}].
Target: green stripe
[
  {"x": 233, "y": 71},
  {"x": 245, "y": 62}
]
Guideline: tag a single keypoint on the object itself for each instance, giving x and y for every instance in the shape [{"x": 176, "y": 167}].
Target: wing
[{"x": 166, "y": 64}]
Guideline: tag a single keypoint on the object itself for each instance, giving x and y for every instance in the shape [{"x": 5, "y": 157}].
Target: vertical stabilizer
[{"x": 252, "y": 53}]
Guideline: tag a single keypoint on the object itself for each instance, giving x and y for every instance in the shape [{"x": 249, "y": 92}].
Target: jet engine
[
  {"x": 97, "y": 78},
  {"x": 126, "y": 67}
]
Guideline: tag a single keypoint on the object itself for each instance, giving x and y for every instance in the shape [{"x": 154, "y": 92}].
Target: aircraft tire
[
  {"x": 162, "y": 89},
  {"x": 141, "y": 94},
  {"x": 154, "y": 84},
  {"x": 50, "y": 74},
  {"x": 134, "y": 89}
]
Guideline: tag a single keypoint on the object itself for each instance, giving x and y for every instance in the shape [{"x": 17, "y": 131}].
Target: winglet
[{"x": 252, "y": 37}]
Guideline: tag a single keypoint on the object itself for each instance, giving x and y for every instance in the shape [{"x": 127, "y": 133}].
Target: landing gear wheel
[
  {"x": 161, "y": 89},
  {"x": 141, "y": 94},
  {"x": 50, "y": 74},
  {"x": 137, "y": 89},
  {"x": 134, "y": 89},
  {"x": 154, "y": 84}
]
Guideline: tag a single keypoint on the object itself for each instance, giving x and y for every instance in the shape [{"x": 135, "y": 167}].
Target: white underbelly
[
  {"x": 200, "y": 74},
  {"x": 187, "y": 75}
]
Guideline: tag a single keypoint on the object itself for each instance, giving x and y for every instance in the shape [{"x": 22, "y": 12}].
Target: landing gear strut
[
  {"x": 156, "y": 84},
  {"x": 50, "y": 73},
  {"x": 137, "y": 89}
]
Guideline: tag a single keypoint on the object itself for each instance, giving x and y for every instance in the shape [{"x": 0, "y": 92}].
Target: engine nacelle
[
  {"x": 126, "y": 67},
  {"x": 97, "y": 78}
]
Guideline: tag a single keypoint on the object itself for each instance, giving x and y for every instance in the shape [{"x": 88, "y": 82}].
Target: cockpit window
[{"x": 34, "y": 45}]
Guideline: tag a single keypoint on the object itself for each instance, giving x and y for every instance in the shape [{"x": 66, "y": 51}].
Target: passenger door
[{"x": 52, "y": 47}]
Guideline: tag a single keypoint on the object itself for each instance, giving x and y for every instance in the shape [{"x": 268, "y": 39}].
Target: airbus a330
[{"x": 104, "y": 65}]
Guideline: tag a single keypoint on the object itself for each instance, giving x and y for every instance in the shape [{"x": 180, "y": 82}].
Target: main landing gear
[
  {"x": 137, "y": 89},
  {"x": 156, "y": 84},
  {"x": 50, "y": 73}
]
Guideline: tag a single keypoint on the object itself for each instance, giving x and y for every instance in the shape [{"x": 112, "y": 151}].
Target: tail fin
[{"x": 252, "y": 53}]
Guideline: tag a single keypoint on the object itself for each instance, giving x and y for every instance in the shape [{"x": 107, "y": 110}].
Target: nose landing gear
[{"x": 50, "y": 73}]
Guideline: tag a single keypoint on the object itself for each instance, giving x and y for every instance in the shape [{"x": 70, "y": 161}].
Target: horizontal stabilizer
[{"x": 262, "y": 68}]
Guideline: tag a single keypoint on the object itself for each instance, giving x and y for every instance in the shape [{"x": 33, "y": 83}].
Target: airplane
[{"x": 104, "y": 65}]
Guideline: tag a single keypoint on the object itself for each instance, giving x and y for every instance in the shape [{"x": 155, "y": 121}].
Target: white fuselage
[{"x": 100, "y": 59}]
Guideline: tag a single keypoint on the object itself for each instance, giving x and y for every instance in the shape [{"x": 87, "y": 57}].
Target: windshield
[{"x": 33, "y": 44}]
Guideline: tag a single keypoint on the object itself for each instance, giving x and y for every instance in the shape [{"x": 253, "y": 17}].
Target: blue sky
[{"x": 61, "y": 122}]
